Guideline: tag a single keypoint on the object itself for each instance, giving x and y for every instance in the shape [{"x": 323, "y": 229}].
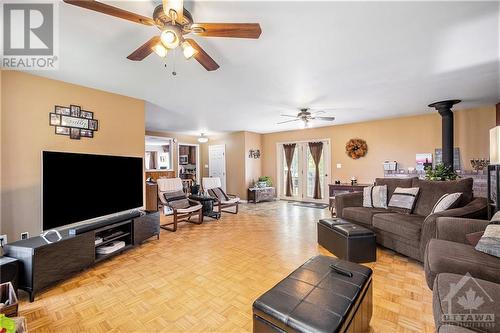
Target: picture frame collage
[{"x": 74, "y": 122}]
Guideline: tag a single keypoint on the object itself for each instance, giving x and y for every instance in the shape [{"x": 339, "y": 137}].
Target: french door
[{"x": 303, "y": 172}]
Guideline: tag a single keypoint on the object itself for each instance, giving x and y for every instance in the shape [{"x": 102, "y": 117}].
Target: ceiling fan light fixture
[
  {"x": 202, "y": 138},
  {"x": 170, "y": 37},
  {"x": 160, "y": 50},
  {"x": 188, "y": 50}
]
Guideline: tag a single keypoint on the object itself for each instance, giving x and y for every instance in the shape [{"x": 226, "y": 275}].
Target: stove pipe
[{"x": 444, "y": 109}]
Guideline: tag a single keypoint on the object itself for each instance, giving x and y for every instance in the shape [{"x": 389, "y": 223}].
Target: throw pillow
[
  {"x": 176, "y": 199},
  {"x": 403, "y": 199},
  {"x": 495, "y": 219},
  {"x": 447, "y": 201},
  {"x": 474, "y": 237},
  {"x": 375, "y": 196},
  {"x": 218, "y": 193},
  {"x": 490, "y": 242}
]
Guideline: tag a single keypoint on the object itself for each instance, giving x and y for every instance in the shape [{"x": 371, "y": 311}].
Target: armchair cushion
[
  {"x": 190, "y": 209},
  {"x": 448, "y": 293},
  {"x": 230, "y": 201},
  {"x": 450, "y": 257},
  {"x": 176, "y": 199}
]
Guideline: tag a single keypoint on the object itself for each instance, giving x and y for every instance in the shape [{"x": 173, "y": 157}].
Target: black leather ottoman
[
  {"x": 347, "y": 241},
  {"x": 315, "y": 298}
]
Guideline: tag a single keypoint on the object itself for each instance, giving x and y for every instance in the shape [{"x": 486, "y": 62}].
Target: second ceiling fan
[{"x": 174, "y": 22}]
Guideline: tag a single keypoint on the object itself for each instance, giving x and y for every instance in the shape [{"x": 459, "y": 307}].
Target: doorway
[
  {"x": 189, "y": 162},
  {"x": 301, "y": 158},
  {"x": 217, "y": 163}
]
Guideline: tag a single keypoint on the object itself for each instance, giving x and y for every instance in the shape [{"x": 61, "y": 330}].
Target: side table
[
  {"x": 9, "y": 271},
  {"x": 258, "y": 194},
  {"x": 208, "y": 205}
]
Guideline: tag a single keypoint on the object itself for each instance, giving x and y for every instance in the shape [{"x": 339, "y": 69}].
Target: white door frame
[
  {"x": 280, "y": 166},
  {"x": 210, "y": 147},
  {"x": 198, "y": 173}
]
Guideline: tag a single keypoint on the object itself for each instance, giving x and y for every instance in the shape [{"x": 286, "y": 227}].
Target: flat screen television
[{"x": 81, "y": 187}]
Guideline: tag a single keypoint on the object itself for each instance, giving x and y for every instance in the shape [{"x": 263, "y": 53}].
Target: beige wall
[
  {"x": 391, "y": 139},
  {"x": 25, "y": 133},
  {"x": 253, "y": 167},
  {"x": 235, "y": 161}
]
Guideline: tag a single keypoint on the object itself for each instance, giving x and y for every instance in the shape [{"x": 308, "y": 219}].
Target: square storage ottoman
[
  {"x": 347, "y": 240},
  {"x": 316, "y": 298}
]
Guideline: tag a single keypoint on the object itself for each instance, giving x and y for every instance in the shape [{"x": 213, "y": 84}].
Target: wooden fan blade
[
  {"x": 144, "y": 50},
  {"x": 202, "y": 57},
  {"x": 288, "y": 121},
  {"x": 325, "y": 118},
  {"x": 287, "y": 115},
  {"x": 110, "y": 10},
  {"x": 236, "y": 30},
  {"x": 175, "y": 5}
]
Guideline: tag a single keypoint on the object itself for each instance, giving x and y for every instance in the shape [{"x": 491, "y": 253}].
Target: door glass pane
[
  {"x": 295, "y": 173},
  {"x": 311, "y": 174}
]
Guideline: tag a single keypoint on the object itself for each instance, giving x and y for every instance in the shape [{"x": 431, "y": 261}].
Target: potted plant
[
  {"x": 265, "y": 181},
  {"x": 440, "y": 173}
]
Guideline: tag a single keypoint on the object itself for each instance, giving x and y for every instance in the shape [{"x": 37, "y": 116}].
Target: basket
[{"x": 8, "y": 295}]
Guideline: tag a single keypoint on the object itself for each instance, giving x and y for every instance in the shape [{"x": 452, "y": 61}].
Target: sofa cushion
[
  {"x": 362, "y": 215},
  {"x": 449, "y": 257},
  {"x": 404, "y": 225},
  {"x": 431, "y": 191},
  {"x": 468, "y": 296},
  {"x": 392, "y": 183}
]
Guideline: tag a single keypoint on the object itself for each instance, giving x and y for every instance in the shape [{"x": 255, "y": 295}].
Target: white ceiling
[{"x": 367, "y": 60}]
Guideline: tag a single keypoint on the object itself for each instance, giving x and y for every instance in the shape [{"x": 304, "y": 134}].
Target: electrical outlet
[
  {"x": 25, "y": 235},
  {"x": 3, "y": 240}
]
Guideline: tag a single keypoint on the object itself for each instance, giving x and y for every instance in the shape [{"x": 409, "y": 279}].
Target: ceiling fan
[
  {"x": 306, "y": 115},
  {"x": 174, "y": 22}
]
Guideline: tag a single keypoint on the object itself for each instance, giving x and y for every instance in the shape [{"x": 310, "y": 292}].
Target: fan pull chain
[{"x": 174, "y": 73}]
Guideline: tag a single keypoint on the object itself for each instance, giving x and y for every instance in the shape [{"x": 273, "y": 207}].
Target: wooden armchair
[
  {"x": 214, "y": 188},
  {"x": 175, "y": 202}
]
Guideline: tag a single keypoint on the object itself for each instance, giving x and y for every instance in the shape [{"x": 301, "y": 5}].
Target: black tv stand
[{"x": 47, "y": 260}]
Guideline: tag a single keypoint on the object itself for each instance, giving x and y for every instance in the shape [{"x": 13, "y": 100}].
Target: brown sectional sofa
[
  {"x": 449, "y": 252},
  {"x": 450, "y": 260},
  {"x": 409, "y": 234}
]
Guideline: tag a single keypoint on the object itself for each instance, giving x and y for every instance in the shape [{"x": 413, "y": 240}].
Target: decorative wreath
[{"x": 356, "y": 148}]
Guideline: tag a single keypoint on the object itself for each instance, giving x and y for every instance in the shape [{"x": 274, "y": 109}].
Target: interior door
[{"x": 217, "y": 163}]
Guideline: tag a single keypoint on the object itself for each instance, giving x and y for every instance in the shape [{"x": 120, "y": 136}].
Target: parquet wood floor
[{"x": 204, "y": 278}]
